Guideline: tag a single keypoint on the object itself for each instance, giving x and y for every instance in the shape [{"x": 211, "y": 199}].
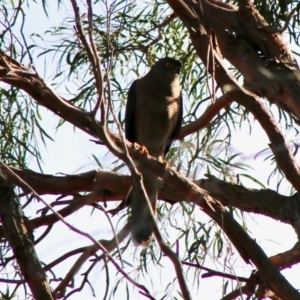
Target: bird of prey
[{"x": 153, "y": 120}]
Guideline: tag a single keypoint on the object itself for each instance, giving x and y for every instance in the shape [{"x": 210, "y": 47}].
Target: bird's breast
[{"x": 156, "y": 114}]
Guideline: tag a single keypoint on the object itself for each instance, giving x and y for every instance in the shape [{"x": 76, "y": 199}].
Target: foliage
[{"x": 129, "y": 37}]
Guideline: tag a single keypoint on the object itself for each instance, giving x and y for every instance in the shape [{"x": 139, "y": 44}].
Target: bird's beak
[{"x": 178, "y": 69}]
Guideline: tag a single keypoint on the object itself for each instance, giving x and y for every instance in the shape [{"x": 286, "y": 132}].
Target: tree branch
[
  {"x": 281, "y": 261},
  {"x": 109, "y": 186},
  {"x": 211, "y": 111},
  {"x": 20, "y": 240},
  {"x": 229, "y": 84},
  {"x": 249, "y": 249},
  {"x": 261, "y": 55}
]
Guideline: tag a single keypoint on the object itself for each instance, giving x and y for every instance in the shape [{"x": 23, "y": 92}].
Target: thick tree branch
[
  {"x": 20, "y": 240},
  {"x": 19, "y": 77},
  {"x": 109, "y": 186},
  {"x": 266, "y": 202},
  {"x": 258, "y": 52}
]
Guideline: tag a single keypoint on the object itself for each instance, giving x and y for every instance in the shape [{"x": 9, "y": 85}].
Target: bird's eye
[{"x": 168, "y": 64}]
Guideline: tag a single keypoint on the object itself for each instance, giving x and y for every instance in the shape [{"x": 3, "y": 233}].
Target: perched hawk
[{"x": 153, "y": 119}]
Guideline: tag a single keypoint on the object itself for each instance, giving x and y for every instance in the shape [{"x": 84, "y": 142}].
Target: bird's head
[{"x": 167, "y": 67}]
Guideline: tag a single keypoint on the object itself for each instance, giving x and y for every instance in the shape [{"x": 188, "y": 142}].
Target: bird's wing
[
  {"x": 177, "y": 127},
  {"x": 129, "y": 113}
]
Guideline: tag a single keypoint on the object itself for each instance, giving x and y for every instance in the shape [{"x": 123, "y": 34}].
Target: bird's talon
[
  {"x": 136, "y": 145},
  {"x": 142, "y": 149},
  {"x": 166, "y": 164}
]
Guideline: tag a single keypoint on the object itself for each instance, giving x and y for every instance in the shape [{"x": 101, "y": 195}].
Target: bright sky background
[{"x": 72, "y": 153}]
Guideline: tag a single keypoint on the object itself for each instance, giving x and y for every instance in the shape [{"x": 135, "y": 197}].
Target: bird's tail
[{"x": 141, "y": 225}]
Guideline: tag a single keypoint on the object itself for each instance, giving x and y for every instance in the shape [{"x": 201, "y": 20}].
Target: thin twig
[
  {"x": 211, "y": 111},
  {"x": 221, "y": 274},
  {"x": 95, "y": 61},
  {"x": 175, "y": 260},
  {"x": 114, "y": 232},
  {"x": 90, "y": 50},
  {"x": 291, "y": 14}
]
